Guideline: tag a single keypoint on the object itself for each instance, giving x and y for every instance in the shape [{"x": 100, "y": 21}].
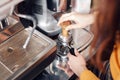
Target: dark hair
[{"x": 104, "y": 29}]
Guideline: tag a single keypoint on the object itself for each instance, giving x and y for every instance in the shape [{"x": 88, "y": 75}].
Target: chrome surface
[
  {"x": 65, "y": 40},
  {"x": 48, "y": 23}
]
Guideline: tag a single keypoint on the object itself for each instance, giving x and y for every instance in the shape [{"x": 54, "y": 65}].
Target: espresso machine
[{"x": 27, "y": 51}]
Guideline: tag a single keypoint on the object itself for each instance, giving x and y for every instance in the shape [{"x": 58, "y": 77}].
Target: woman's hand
[
  {"x": 77, "y": 63},
  {"x": 67, "y": 70},
  {"x": 79, "y": 20}
]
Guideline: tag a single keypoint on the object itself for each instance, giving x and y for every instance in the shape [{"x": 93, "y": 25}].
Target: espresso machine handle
[
  {"x": 72, "y": 51},
  {"x": 73, "y": 77}
]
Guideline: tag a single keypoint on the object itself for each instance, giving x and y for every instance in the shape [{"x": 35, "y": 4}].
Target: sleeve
[
  {"x": 88, "y": 75},
  {"x": 118, "y": 77},
  {"x": 115, "y": 62}
]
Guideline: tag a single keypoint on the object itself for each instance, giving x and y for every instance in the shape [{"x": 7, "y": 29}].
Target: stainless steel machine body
[{"x": 45, "y": 20}]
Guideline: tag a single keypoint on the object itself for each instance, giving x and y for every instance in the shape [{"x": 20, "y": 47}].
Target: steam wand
[{"x": 34, "y": 26}]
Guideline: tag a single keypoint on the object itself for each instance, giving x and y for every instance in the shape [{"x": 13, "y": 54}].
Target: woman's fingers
[
  {"x": 67, "y": 70},
  {"x": 68, "y": 14},
  {"x": 78, "y": 20},
  {"x": 71, "y": 56},
  {"x": 66, "y": 17},
  {"x": 76, "y": 52},
  {"x": 62, "y": 19},
  {"x": 75, "y": 26}
]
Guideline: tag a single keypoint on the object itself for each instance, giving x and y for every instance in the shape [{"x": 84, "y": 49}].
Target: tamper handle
[{"x": 63, "y": 26}]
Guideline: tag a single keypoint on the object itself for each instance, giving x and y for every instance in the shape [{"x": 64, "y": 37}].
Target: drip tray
[{"x": 15, "y": 60}]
